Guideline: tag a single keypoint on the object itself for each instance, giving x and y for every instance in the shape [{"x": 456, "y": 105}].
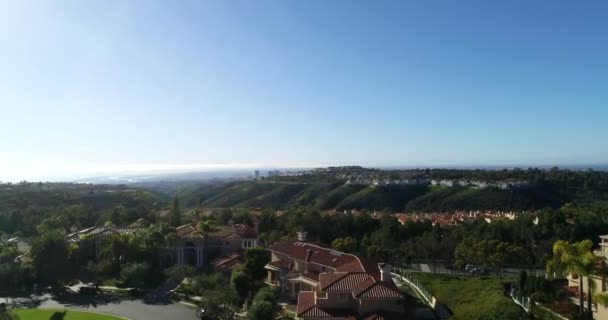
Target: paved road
[
  {"x": 135, "y": 309},
  {"x": 443, "y": 269}
]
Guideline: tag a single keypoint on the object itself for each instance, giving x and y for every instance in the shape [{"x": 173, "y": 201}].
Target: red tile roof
[
  {"x": 98, "y": 231},
  {"x": 306, "y": 300},
  {"x": 343, "y": 281},
  {"x": 310, "y": 252},
  {"x": 229, "y": 261},
  {"x": 306, "y": 308},
  {"x": 238, "y": 231},
  {"x": 378, "y": 290},
  {"x": 311, "y": 275},
  {"x": 281, "y": 264}
]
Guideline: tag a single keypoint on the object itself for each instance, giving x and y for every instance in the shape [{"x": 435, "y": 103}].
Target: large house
[
  {"x": 90, "y": 240},
  {"x": 600, "y": 284},
  {"x": 224, "y": 244},
  {"x": 330, "y": 284},
  {"x": 191, "y": 249}
]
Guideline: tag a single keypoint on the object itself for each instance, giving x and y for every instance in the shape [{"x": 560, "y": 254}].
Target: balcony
[{"x": 273, "y": 283}]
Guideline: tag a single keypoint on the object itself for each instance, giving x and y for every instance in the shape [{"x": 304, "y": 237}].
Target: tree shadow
[
  {"x": 59, "y": 315},
  {"x": 70, "y": 298}
]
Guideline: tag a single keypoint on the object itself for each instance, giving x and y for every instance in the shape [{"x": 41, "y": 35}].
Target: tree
[
  {"x": 219, "y": 304},
  {"x": 50, "y": 258},
  {"x": 204, "y": 228},
  {"x": 241, "y": 283},
  {"x": 176, "y": 214},
  {"x": 261, "y": 310},
  {"x": 115, "y": 218},
  {"x": 264, "y": 305},
  {"x": 255, "y": 260},
  {"x": 523, "y": 278},
  {"x": 347, "y": 244},
  {"x": 178, "y": 273},
  {"x": 6, "y": 313},
  {"x": 136, "y": 274},
  {"x": 578, "y": 260}
]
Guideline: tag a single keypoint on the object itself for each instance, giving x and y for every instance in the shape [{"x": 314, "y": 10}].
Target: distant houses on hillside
[
  {"x": 446, "y": 218},
  {"x": 376, "y": 182}
]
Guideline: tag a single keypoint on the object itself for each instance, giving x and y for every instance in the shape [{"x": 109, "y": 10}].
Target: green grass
[
  {"x": 471, "y": 298},
  {"x": 46, "y": 314}
]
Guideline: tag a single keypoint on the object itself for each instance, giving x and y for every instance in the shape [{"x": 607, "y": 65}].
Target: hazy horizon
[
  {"x": 102, "y": 87},
  {"x": 159, "y": 172}
]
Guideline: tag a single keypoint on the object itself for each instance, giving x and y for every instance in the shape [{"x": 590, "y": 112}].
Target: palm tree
[
  {"x": 203, "y": 229},
  {"x": 578, "y": 260}
]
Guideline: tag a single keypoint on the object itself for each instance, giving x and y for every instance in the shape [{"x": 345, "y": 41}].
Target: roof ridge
[
  {"x": 314, "y": 304},
  {"x": 344, "y": 274}
]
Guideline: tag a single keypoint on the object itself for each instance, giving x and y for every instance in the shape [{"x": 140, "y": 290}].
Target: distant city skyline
[{"x": 102, "y": 87}]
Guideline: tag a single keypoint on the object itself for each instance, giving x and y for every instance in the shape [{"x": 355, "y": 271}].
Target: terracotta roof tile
[
  {"x": 281, "y": 264},
  {"x": 306, "y": 251},
  {"x": 306, "y": 300},
  {"x": 379, "y": 290},
  {"x": 98, "y": 231},
  {"x": 229, "y": 261},
  {"x": 347, "y": 282},
  {"x": 306, "y": 308},
  {"x": 238, "y": 231},
  {"x": 311, "y": 275}
]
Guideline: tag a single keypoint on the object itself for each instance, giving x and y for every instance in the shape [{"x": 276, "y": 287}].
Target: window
[
  {"x": 323, "y": 269},
  {"x": 248, "y": 244}
]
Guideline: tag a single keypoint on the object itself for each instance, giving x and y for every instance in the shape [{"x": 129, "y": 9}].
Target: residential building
[
  {"x": 223, "y": 246},
  {"x": 330, "y": 284},
  {"x": 90, "y": 240},
  {"x": 195, "y": 249},
  {"x": 600, "y": 284}
]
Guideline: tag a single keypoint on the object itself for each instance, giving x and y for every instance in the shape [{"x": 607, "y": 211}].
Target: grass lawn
[
  {"x": 46, "y": 314},
  {"x": 471, "y": 298}
]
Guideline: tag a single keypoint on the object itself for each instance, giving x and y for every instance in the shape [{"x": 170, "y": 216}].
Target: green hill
[
  {"x": 24, "y": 206},
  {"x": 326, "y": 195}
]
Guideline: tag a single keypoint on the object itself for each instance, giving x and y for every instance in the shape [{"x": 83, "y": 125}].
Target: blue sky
[{"x": 120, "y": 85}]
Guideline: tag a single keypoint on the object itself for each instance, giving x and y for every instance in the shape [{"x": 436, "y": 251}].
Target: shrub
[
  {"x": 177, "y": 273},
  {"x": 137, "y": 274}
]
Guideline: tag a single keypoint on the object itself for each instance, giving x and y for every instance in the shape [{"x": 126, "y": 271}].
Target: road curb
[{"x": 86, "y": 311}]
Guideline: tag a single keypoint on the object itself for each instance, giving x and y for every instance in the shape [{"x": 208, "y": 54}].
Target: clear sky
[{"x": 108, "y": 85}]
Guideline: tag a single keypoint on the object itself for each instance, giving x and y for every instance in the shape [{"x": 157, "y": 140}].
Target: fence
[
  {"x": 534, "y": 307},
  {"x": 418, "y": 287}
]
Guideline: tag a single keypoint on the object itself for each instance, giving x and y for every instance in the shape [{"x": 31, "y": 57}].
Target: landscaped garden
[
  {"x": 472, "y": 298},
  {"x": 57, "y": 314}
]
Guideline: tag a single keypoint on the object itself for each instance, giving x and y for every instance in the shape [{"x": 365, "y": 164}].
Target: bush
[
  {"x": 241, "y": 283},
  {"x": 177, "y": 273},
  {"x": 137, "y": 274},
  {"x": 264, "y": 306},
  {"x": 261, "y": 310},
  {"x": 267, "y": 294}
]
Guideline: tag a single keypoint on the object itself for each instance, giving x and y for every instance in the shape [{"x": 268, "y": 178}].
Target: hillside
[
  {"x": 24, "y": 206},
  {"x": 325, "y": 195}
]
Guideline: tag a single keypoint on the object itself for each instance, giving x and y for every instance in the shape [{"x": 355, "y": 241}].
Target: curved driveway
[{"x": 135, "y": 309}]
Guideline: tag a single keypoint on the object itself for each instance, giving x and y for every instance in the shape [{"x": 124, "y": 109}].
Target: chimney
[
  {"x": 302, "y": 236},
  {"x": 385, "y": 272}
]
